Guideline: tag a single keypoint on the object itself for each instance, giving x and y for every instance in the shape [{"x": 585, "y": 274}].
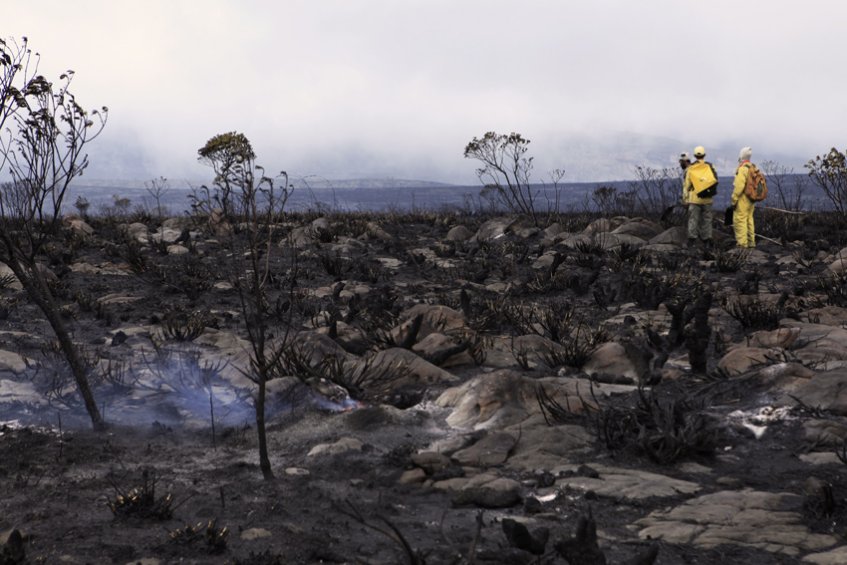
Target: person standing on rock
[
  {"x": 698, "y": 191},
  {"x": 743, "y": 207}
]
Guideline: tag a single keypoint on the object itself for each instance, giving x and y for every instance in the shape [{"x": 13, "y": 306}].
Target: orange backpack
[{"x": 756, "y": 188}]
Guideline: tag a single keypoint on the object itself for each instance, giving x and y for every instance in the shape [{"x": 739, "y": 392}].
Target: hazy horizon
[{"x": 379, "y": 88}]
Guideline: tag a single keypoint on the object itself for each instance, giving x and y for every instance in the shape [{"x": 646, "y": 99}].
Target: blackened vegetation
[
  {"x": 730, "y": 261},
  {"x": 757, "y": 313},
  {"x": 181, "y": 325},
  {"x": 141, "y": 502},
  {"x": 387, "y": 528},
  {"x": 335, "y": 378},
  {"x": 582, "y": 548},
  {"x": 523, "y": 545},
  {"x": 664, "y": 423},
  {"x": 555, "y": 412},
  {"x": 13, "y": 551},
  {"x": 698, "y": 333},
  {"x": 206, "y": 537},
  {"x": 503, "y": 289},
  {"x": 834, "y": 285}
]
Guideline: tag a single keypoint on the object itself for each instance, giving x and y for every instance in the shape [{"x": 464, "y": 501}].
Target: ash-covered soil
[{"x": 455, "y": 389}]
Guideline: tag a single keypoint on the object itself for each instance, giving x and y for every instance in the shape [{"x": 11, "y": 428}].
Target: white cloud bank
[{"x": 350, "y": 88}]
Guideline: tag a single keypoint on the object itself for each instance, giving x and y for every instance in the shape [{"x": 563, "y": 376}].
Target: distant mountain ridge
[{"x": 314, "y": 182}]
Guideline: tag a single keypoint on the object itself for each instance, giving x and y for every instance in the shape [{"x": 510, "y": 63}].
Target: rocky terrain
[{"x": 456, "y": 389}]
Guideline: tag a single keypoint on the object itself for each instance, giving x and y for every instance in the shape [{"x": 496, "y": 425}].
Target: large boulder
[
  {"x": 491, "y": 450},
  {"x": 435, "y": 318},
  {"x": 839, "y": 262},
  {"x": 613, "y": 240},
  {"x": 572, "y": 240},
  {"x": 507, "y": 397},
  {"x": 14, "y": 362},
  {"x": 443, "y": 350},
  {"x": 602, "y": 225},
  {"x": 535, "y": 349},
  {"x": 546, "y": 448},
  {"x": 618, "y": 360},
  {"x": 628, "y": 484},
  {"x": 770, "y": 521},
  {"x": 640, "y": 228},
  {"x": 315, "y": 348},
  {"x": 676, "y": 235},
  {"x": 395, "y": 373},
  {"x": 826, "y": 315},
  {"x": 78, "y": 225},
  {"x": 820, "y": 346},
  {"x": 493, "y": 229},
  {"x": 741, "y": 359},
  {"x": 827, "y": 391},
  {"x": 166, "y": 235},
  {"x": 375, "y": 231},
  {"x": 488, "y": 491},
  {"x": 459, "y": 233},
  {"x": 782, "y": 338},
  {"x": 136, "y": 231}
]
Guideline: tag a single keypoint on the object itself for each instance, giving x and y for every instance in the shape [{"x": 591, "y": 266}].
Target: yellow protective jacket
[
  {"x": 741, "y": 174},
  {"x": 688, "y": 194}
]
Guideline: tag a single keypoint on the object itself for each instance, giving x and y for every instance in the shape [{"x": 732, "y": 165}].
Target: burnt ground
[{"x": 67, "y": 489}]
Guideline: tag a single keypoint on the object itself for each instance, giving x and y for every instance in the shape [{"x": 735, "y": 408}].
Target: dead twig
[{"x": 392, "y": 532}]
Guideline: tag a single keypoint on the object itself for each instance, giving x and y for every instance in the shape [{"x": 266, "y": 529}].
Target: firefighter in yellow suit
[
  {"x": 743, "y": 207},
  {"x": 699, "y": 207}
]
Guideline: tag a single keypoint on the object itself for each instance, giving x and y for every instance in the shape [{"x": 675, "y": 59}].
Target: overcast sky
[{"x": 364, "y": 88}]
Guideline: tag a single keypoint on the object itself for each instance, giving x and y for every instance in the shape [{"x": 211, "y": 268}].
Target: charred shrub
[
  {"x": 666, "y": 428},
  {"x": 189, "y": 275},
  {"x": 554, "y": 320},
  {"x": 88, "y": 303},
  {"x": 731, "y": 261},
  {"x": 517, "y": 251},
  {"x": 7, "y": 280},
  {"x": 786, "y": 227},
  {"x": 209, "y": 537},
  {"x": 371, "y": 271},
  {"x": 835, "y": 287},
  {"x": 557, "y": 280},
  {"x": 589, "y": 254},
  {"x": 628, "y": 253},
  {"x": 575, "y": 347},
  {"x": 755, "y": 313},
  {"x": 132, "y": 251},
  {"x": 334, "y": 264},
  {"x": 649, "y": 288},
  {"x": 553, "y": 410},
  {"x": 7, "y": 307},
  {"x": 375, "y": 312},
  {"x": 574, "y": 339},
  {"x": 179, "y": 325},
  {"x": 141, "y": 502},
  {"x": 671, "y": 429},
  {"x": 484, "y": 313}
]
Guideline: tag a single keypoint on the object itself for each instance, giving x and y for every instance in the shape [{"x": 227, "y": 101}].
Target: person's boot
[
  {"x": 692, "y": 243},
  {"x": 707, "y": 244}
]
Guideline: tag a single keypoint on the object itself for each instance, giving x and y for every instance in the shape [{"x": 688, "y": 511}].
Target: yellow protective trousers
[{"x": 742, "y": 222}]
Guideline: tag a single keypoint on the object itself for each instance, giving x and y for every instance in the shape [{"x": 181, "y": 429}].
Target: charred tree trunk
[
  {"x": 699, "y": 333},
  {"x": 36, "y": 288},
  {"x": 261, "y": 433}
]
